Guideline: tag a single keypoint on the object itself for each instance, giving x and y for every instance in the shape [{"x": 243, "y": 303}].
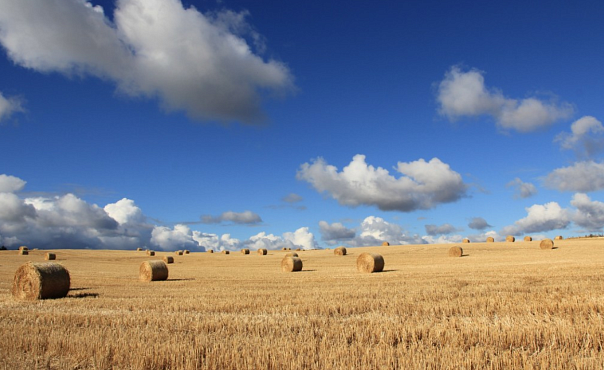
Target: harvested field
[{"x": 497, "y": 307}]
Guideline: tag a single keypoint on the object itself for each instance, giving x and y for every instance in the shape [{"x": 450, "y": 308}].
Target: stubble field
[{"x": 500, "y": 306}]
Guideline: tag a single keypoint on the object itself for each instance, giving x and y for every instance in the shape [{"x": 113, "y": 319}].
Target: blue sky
[{"x": 205, "y": 124}]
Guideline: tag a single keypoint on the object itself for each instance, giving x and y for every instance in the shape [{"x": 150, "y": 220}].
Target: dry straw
[
  {"x": 245, "y": 251},
  {"x": 40, "y": 281},
  {"x": 559, "y": 237},
  {"x": 153, "y": 271},
  {"x": 370, "y": 262},
  {"x": 50, "y": 256},
  {"x": 490, "y": 239},
  {"x": 455, "y": 251},
  {"x": 546, "y": 244},
  {"x": 262, "y": 251},
  {"x": 340, "y": 251},
  {"x": 528, "y": 239},
  {"x": 168, "y": 259},
  {"x": 291, "y": 254},
  {"x": 466, "y": 240},
  {"x": 510, "y": 239},
  {"x": 291, "y": 264},
  {"x": 23, "y": 252},
  {"x": 385, "y": 244}
]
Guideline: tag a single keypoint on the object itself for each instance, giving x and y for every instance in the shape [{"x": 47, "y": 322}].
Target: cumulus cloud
[
  {"x": 478, "y": 223},
  {"x": 522, "y": 189},
  {"x": 580, "y": 177},
  {"x": 180, "y": 237},
  {"x": 241, "y": 218},
  {"x": 589, "y": 214},
  {"x": 440, "y": 229},
  {"x": 335, "y": 232},
  {"x": 424, "y": 185},
  {"x": 8, "y": 106},
  {"x": 464, "y": 94},
  {"x": 11, "y": 184},
  {"x": 190, "y": 61},
  {"x": 540, "y": 218},
  {"x": 586, "y": 138},
  {"x": 375, "y": 230}
]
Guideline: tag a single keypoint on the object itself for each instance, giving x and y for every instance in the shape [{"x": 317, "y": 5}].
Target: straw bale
[
  {"x": 455, "y": 251},
  {"x": 528, "y": 239},
  {"x": 23, "y": 248},
  {"x": 559, "y": 237},
  {"x": 262, "y": 251},
  {"x": 186, "y": 251},
  {"x": 40, "y": 281},
  {"x": 546, "y": 244},
  {"x": 168, "y": 259},
  {"x": 340, "y": 251},
  {"x": 490, "y": 239},
  {"x": 510, "y": 238},
  {"x": 210, "y": 251},
  {"x": 291, "y": 254},
  {"x": 291, "y": 264},
  {"x": 245, "y": 251},
  {"x": 370, "y": 262},
  {"x": 385, "y": 244},
  {"x": 466, "y": 240},
  {"x": 50, "y": 256},
  {"x": 153, "y": 271},
  {"x": 226, "y": 252},
  {"x": 23, "y": 252}
]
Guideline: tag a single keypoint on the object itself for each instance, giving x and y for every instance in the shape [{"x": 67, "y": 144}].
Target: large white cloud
[
  {"x": 586, "y": 138},
  {"x": 179, "y": 237},
  {"x": 465, "y": 94},
  {"x": 540, "y": 218},
  {"x": 424, "y": 185},
  {"x": 332, "y": 233},
  {"x": 589, "y": 214},
  {"x": 580, "y": 177},
  {"x": 522, "y": 189},
  {"x": 195, "y": 62},
  {"x": 375, "y": 230},
  {"x": 8, "y": 106}
]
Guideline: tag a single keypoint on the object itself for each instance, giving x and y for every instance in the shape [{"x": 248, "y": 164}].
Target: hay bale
[
  {"x": 466, "y": 240},
  {"x": 455, "y": 251},
  {"x": 40, "y": 281},
  {"x": 510, "y": 239},
  {"x": 298, "y": 249},
  {"x": 186, "y": 251},
  {"x": 284, "y": 248},
  {"x": 178, "y": 253},
  {"x": 139, "y": 249},
  {"x": 225, "y": 252},
  {"x": 23, "y": 252},
  {"x": 153, "y": 271},
  {"x": 546, "y": 244},
  {"x": 291, "y": 264},
  {"x": 150, "y": 252},
  {"x": 340, "y": 251},
  {"x": 210, "y": 251},
  {"x": 370, "y": 262},
  {"x": 262, "y": 251},
  {"x": 490, "y": 239},
  {"x": 168, "y": 259},
  {"x": 245, "y": 251},
  {"x": 291, "y": 254},
  {"x": 559, "y": 237},
  {"x": 50, "y": 256},
  {"x": 23, "y": 248},
  {"x": 385, "y": 244},
  {"x": 528, "y": 239}
]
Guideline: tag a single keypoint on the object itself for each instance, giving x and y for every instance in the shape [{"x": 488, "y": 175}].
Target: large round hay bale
[
  {"x": 245, "y": 251},
  {"x": 370, "y": 262},
  {"x": 168, "y": 259},
  {"x": 455, "y": 251},
  {"x": 226, "y": 252},
  {"x": 385, "y": 244},
  {"x": 40, "y": 281},
  {"x": 262, "y": 251},
  {"x": 510, "y": 239},
  {"x": 466, "y": 240},
  {"x": 559, "y": 237},
  {"x": 528, "y": 238},
  {"x": 23, "y": 248},
  {"x": 490, "y": 239},
  {"x": 291, "y": 264},
  {"x": 340, "y": 251},
  {"x": 50, "y": 256},
  {"x": 153, "y": 271},
  {"x": 23, "y": 252},
  {"x": 291, "y": 254},
  {"x": 546, "y": 244}
]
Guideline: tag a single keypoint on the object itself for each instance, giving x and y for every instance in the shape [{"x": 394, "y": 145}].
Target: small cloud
[
  {"x": 9, "y": 106},
  {"x": 586, "y": 138},
  {"x": 292, "y": 198},
  {"x": 589, "y": 214},
  {"x": 11, "y": 184},
  {"x": 522, "y": 189},
  {"x": 241, "y": 218},
  {"x": 478, "y": 223},
  {"x": 440, "y": 229}
]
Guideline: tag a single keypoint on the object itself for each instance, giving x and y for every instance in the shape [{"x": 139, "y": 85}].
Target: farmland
[{"x": 501, "y": 305}]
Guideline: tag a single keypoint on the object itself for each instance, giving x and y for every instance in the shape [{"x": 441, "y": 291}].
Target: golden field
[{"x": 500, "y": 306}]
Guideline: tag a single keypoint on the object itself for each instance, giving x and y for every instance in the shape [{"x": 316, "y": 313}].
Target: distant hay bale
[
  {"x": 298, "y": 249},
  {"x": 210, "y": 251},
  {"x": 559, "y": 237},
  {"x": 40, "y": 281},
  {"x": 262, "y": 251},
  {"x": 370, "y": 262},
  {"x": 510, "y": 239},
  {"x": 455, "y": 251},
  {"x": 490, "y": 239},
  {"x": 139, "y": 249},
  {"x": 50, "y": 256},
  {"x": 178, "y": 253},
  {"x": 245, "y": 251},
  {"x": 168, "y": 259},
  {"x": 23, "y": 252},
  {"x": 291, "y": 264},
  {"x": 385, "y": 244},
  {"x": 466, "y": 240},
  {"x": 340, "y": 251},
  {"x": 151, "y": 253},
  {"x": 23, "y": 248},
  {"x": 186, "y": 251},
  {"x": 546, "y": 244},
  {"x": 225, "y": 252},
  {"x": 153, "y": 271},
  {"x": 291, "y": 254},
  {"x": 528, "y": 239},
  {"x": 284, "y": 248}
]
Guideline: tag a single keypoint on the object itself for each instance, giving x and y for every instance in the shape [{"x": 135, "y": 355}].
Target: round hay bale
[
  {"x": 50, "y": 256},
  {"x": 23, "y": 248},
  {"x": 340, "y": 251},
  {"x": 370, "y": 262},
  {"x": 151, "y": 253},
  {"x": 225, "y": 252},
  {"x": 284, "y": 248},
  {"x": 178, "y": 253},
  {"x": 559, "y": 237},
  {"x": 168, "y": 259},
  {"x": 245, "y": 251},
  {"x": 528, "y": 238},
  {"x": 139, "y": 249},
  {"x": 291, "y": 254},
  {"x": 466, "y": 240},
  {"x": 546, "y": 244},
  {"x": 455, "y": 251},
  {"x": 186, "y": 251},
  {"x": 291, "y": 264},
  {"x": 490, "y": 239},
  {"x": 23, "y": 252},
  {"x": 298, "y": 249},
  {"x": 510, "y": 239},
  {"x": 153, "y": 271},
  {"x": 262, "y": 251},
  {"x": 40, "y": 281},
  {"x": 385, "y": 244},
  {"x": 210, "y": 251}
]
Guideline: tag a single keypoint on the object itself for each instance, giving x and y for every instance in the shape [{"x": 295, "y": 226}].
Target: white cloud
[
  {"x": 301, "y": 237},
  {"x": 589, "y": 214},
  {"x": 11, "y": 184},
  {"x": 523, "y": 189},
  {"x": 8, "y": 106},
  {"x": 465, "y": 94},
  {"x": 586, "y": 137},
  {"x": 375, "y": 230},
  {"x": 180, "y": 237},
  {"x": 125, "y": 211},
  {"x": 478, "y": 223},
  {"x": 440, "y": 229},
  {"x": 292, "y": 198},
  {"x": 540, "y": 218},
  {"x": 580, "y": 177},
  {"x": 335, "y": 232},
  {"x": 194, "y": 62},
  {"x": 424, "y": 185},
  {"x": 245, "y": 218}
]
